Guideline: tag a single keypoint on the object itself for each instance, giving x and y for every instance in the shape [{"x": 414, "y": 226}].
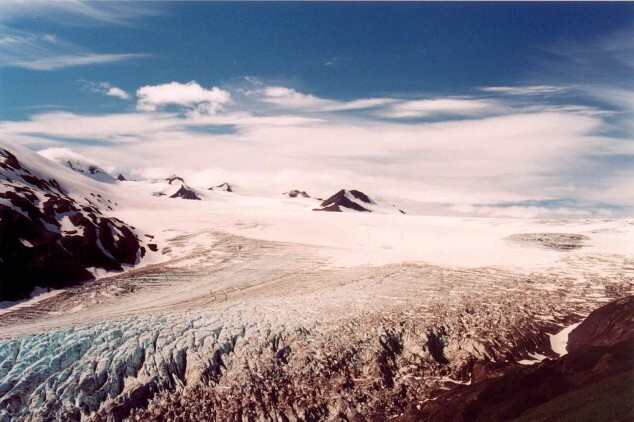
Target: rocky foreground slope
[
  {"x": 55, "y": 234},
  {"x": 593, "y": 382}
]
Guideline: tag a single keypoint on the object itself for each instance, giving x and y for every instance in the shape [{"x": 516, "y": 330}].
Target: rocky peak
[{"x": 346, "y": 199}]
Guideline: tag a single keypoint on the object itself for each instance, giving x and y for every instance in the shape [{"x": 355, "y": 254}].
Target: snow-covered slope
[
  {"x": 55, "y": 227},
  {"x": 78, "y": 163}
]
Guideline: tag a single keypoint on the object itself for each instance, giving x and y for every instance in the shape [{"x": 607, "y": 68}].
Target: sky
[{"x": 485, "y": 109}]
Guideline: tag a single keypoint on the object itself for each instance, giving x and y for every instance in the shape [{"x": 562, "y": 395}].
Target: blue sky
[{"x": 206, "y": 72}]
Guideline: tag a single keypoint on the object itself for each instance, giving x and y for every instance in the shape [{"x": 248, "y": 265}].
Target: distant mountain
[
  {"x": 223, "y": 187},
  {"x": 53, "y": 228},
  {"x": 77, "y": 163},
  {"x": 355, "y": 200}
]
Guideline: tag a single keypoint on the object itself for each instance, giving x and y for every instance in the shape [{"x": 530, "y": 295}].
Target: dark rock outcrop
[
  {"x": 297, "y": 193},
  {"x": 121, "y": 178},
  {"x": 50, "y": 238},
  {"x": 223, "y": 187},
  {"x": 346, "y": 199},
  {"x": 592, "y": 382}
]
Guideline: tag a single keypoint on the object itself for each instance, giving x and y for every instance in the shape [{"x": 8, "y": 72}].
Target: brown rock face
[{"x": 36, "y": 249}]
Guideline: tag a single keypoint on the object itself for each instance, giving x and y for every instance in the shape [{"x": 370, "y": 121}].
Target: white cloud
[
  {"x": 486, "y": 160},
  {"x": 525, "y": 90},
  {"x": 106, "y": 88},
  {"x": 117, "y": 92},
  {"x": 443, "y": 106},
  {"x": 190, "y": 95}
]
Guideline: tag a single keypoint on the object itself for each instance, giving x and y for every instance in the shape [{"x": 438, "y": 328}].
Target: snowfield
[{"x": 263, "y": 308}]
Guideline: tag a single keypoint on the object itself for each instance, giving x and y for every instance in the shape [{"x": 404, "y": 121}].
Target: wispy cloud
[
  {"x": 76, "y": 12},
  {"x": 45, "y": 52},
  {"x": 443, "y": 106},
  {"x": 38, "y": 51},
  {"x": 60, "y": 62},
  {"x": 292, "y": 99},
  {"x": 525, "y": 90}
]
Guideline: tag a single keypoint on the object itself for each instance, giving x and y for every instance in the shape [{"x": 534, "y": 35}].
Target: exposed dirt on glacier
[{"x": 243, "y": 329}]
